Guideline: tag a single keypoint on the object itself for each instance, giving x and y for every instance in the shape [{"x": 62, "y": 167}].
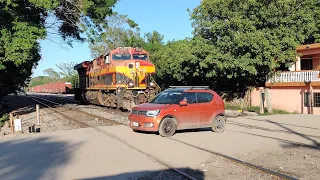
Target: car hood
[{"x": 151, "y": 106}]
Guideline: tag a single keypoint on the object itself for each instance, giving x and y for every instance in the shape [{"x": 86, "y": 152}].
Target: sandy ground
[
  {"x": 284, "y": 143},
  {"x": 88, "y": 154}
]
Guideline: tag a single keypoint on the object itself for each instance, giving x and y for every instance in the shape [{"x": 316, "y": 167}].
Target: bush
[
  {"x": 3, "y": 119},
  {"x": 255, "y": 109}
]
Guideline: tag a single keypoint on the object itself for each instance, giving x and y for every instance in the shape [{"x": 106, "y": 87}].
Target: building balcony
[{"x": 295, "y": 78}]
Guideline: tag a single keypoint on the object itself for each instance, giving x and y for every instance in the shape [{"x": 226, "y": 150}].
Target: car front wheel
[
  {"x": 219, "y": 124},
  {"x": 167, "y": 127}
]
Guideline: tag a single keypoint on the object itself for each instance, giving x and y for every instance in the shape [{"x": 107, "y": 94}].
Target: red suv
[{"x": 180, "y": 107}]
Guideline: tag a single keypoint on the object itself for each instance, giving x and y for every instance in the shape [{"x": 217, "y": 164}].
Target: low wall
[{"x": 290, "y": 99}]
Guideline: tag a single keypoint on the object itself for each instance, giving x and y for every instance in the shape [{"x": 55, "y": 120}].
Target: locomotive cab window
[
  {"x": 140, "y": 56},
  {"x": 106, "y": 59},
  {"x": 117, "y": 57}
]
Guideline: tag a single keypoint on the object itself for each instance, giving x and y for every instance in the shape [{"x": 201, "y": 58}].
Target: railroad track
[
  {"x": 231, "y": 159},
  {"x": 83, "y": 124},
  {"x": 268, "y": 129},
  {"x": 259, "y": 168},
  {"x": 63, "y": 99}
]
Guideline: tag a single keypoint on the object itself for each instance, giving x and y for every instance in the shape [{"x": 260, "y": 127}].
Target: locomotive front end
[
  {"x": 122, "y": 78},
  {"x": 135, "y": 74},
  {"x": 140, "y": 71}
]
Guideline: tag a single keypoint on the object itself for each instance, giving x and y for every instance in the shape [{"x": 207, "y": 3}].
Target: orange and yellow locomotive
[{"x": 122, "y": 78}]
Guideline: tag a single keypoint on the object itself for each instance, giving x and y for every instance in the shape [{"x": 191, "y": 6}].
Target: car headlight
[{"x": 152, "y": 113}]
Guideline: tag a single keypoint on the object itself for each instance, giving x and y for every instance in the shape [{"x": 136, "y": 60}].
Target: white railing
[{"x": 295, "y": 76}]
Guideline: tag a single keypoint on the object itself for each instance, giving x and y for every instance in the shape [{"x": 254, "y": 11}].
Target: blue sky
[{"x": 168, "y": 17}]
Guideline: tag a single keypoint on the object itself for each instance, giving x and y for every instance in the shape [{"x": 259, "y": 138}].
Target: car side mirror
[{"x": 183, "y": 103}]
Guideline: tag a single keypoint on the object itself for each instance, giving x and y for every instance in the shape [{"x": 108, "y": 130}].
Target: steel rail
[
  {"x": 264, "y": 170},
  {"x": 259, "y": 168},
  {"x": 119, "y": 139},
  {"x": 56, "y": 103}
]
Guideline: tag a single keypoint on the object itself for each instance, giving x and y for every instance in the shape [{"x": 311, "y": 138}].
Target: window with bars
[
  {"x": 307, "y": 99},
  {"x": 315, "y": 99}
]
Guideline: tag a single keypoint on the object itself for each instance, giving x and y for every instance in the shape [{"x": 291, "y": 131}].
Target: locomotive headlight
[
  {"x": 151, "y": 84},
  {"x": 137, "y": 64},
  {"x": 130, "y": 84}
]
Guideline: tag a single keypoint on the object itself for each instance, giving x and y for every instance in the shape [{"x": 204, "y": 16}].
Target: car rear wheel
[
  {"x": 167, "y": 127},
  {"x": 219, "y": 124}
]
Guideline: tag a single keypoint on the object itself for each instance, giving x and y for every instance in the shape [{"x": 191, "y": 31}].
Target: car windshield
[
  {"x": 140, "y": 56},
  {"x": 166, "y": 98}
]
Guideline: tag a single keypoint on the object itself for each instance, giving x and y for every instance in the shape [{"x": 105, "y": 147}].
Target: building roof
[
  {"x": 309, "y": 49},
  {"x": 308, "y": 46}
]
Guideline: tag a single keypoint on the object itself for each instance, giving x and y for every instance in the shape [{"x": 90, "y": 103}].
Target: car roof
[{"x": 188, "y": 89}]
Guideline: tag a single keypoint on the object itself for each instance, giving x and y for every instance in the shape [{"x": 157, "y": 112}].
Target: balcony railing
[{"x": 295, "y": 76}]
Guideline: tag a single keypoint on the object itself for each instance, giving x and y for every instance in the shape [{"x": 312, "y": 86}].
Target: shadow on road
[
  {"x": 314, "y": 142},
  {"x": 289, "y": 143},
  {"x": 249, "y": 126},
  {"x": 179, "y": 131},
  {"x": 153, "y": 175},
  {"x": 43, "y": 158},
  {"x": 39, "y": 158},
  {"x": 21, "y": 104},
  {"x": 284, "y": 129},
  {"x": 13, "y": 102},
  {"x": 264, "y": 120}
]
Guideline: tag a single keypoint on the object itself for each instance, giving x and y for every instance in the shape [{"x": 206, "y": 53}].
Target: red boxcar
[{"x": 53, "y": 88}]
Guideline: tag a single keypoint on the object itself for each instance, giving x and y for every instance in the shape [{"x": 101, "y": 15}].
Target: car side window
[
  {"x": 190, "y": 96},
  {"x": 204, "y": 97}
]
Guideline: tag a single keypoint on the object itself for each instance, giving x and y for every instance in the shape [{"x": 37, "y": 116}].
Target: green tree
[
  {"x": 247, "y": 36},
  {"x": 154, "y": 38},
  {"x": 23, "y": 23},
  {"x": 52, "y": 74},
  {"x": 67, "y": 72},
  {"x": 120, "y": 31},
  {"x": 39, "y": 80},
  {"x": 181, "y": 63},
  {"x": 153, "y": 42}
]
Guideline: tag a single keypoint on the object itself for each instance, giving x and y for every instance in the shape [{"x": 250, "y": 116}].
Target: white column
[{"x": 298, "y": 64}]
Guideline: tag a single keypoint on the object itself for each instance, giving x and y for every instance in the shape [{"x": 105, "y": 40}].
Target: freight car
[
  {"x": 122, "y": 79},
  {"x": 52, "y": 88}
]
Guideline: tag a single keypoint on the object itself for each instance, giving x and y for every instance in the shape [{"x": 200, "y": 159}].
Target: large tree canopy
[
  {"x": 66, "y": 73},
  {"x": 247, "y": 36},
  {"x": 120, "y": 31},
  {"x": 23, "y": 23}
]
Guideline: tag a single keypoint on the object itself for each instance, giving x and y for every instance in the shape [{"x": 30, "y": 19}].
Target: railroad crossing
[{"x": 249, "y": 148}]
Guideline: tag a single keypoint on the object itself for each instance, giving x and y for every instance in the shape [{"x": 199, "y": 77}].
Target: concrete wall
[
  {"x": 316, "y": 62},
  {"x": 290, "y": 99}
]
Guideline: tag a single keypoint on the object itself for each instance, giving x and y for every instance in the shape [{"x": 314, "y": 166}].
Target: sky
[{"x": 169, "y": 17}]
